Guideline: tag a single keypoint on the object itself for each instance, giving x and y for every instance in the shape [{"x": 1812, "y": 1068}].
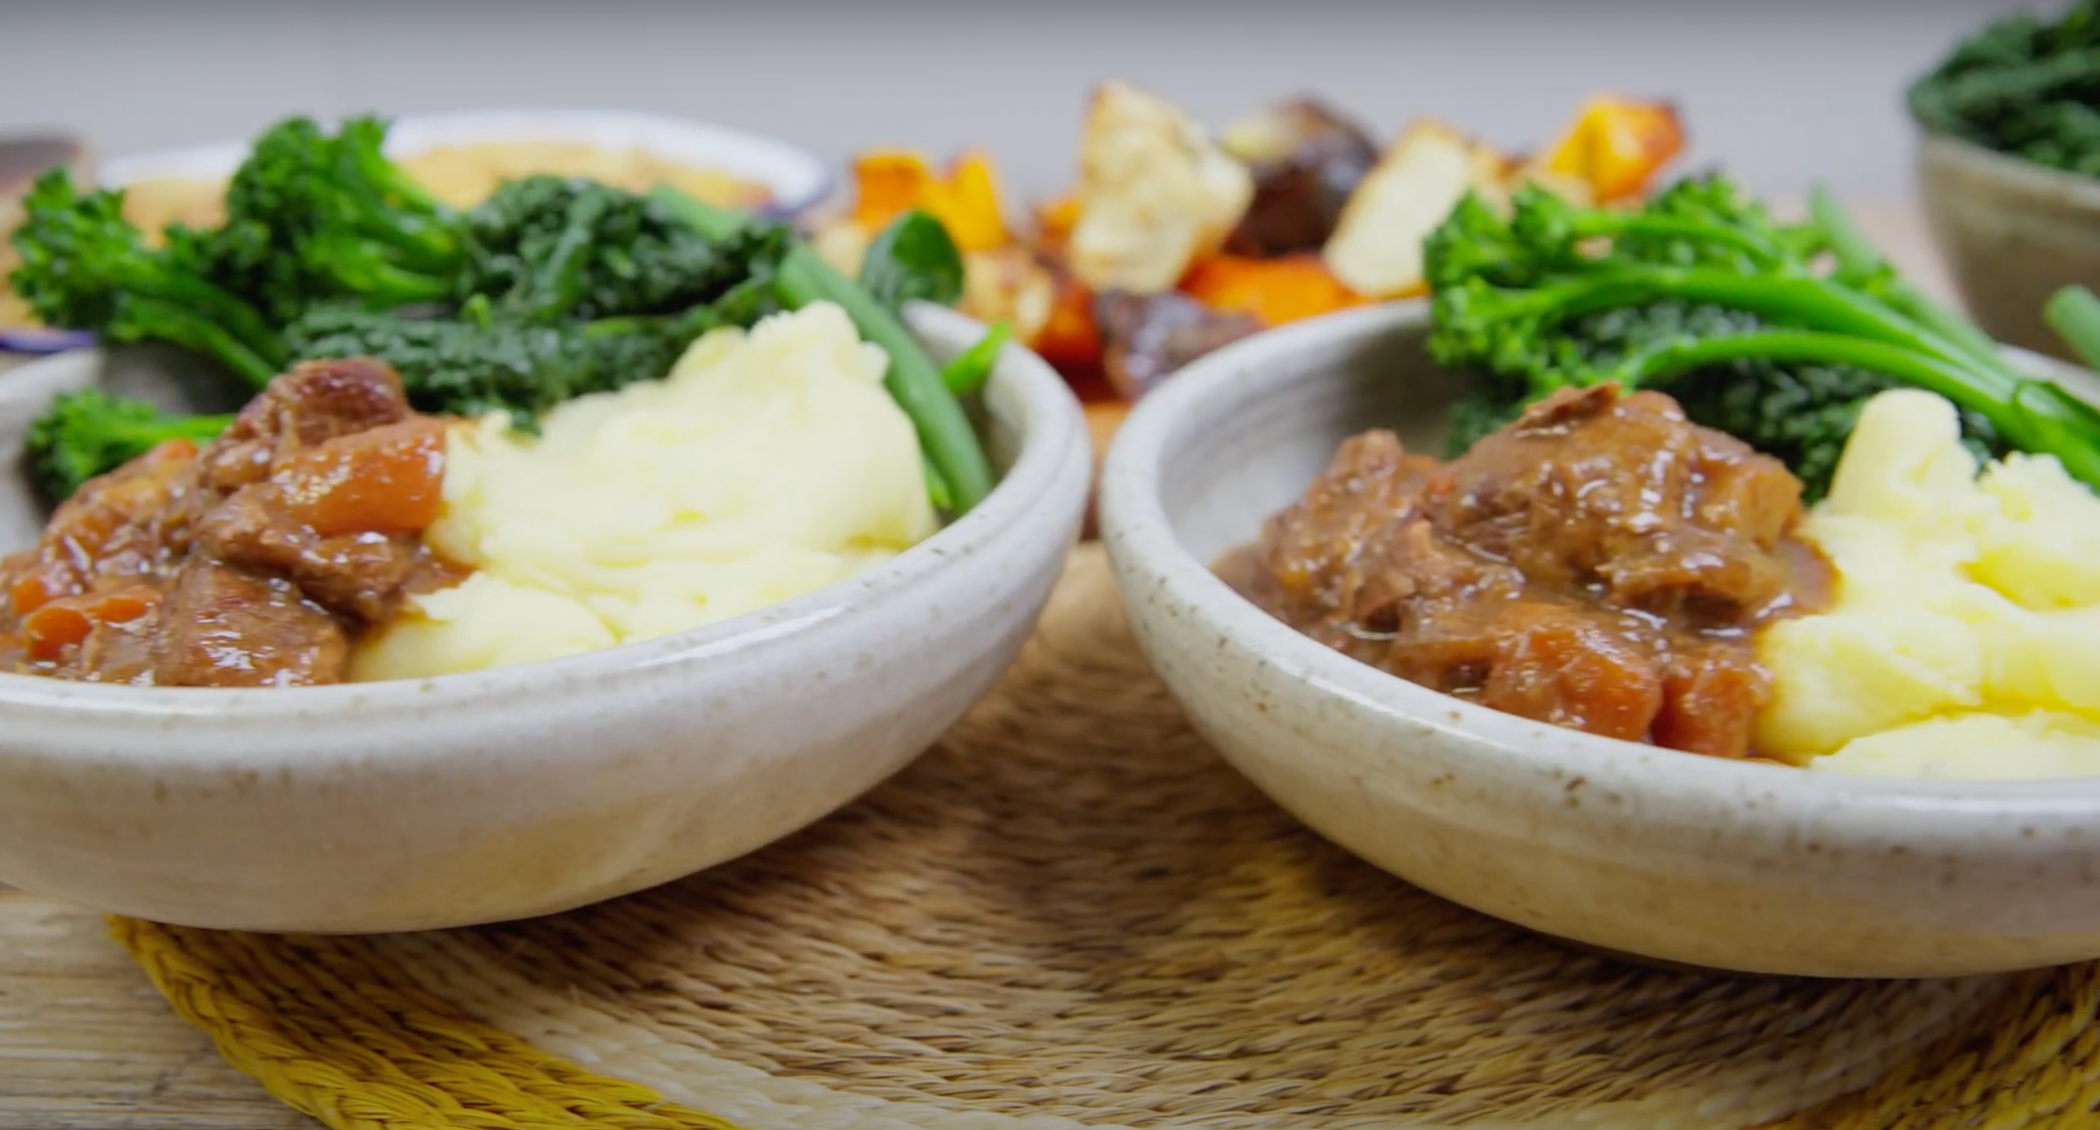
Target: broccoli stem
[
  {"x": 152, "y": 318},
  {"x": 945, "y": 435},
  {"x": 1594, "y": 224},
  {"x": 1859, "y": 258},
  {"x": 2034, "y": 414},
  {"x": 1797, "y": 300},
  {"x": 1827, "y": 322},
  {"x": 2074, "y": 313}
]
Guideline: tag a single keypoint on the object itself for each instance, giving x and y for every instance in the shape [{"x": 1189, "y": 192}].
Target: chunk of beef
[
  {"x": 1589, "y": 488},
  {"x": 223, "y": 626},
  {"x": 1145, "y": 338},
  {"x": 339, "y": 518},
  {"x": 1600, "y": 564},
  {"x": 315, "y": 402},
  {"x": 132, "y": 524},
  {"x": 252, "y": 563}
]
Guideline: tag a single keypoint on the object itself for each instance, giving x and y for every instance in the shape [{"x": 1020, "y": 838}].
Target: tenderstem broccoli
[
  {"x": 313, "y": 218},
  {"x": 84, "y": 266},
  {"x": 89, "y": 432},
  {"x": 1701, "y": 290}
]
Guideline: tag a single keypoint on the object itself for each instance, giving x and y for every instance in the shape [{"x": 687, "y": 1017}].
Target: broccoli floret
[
  {"x": 1701, "y": 295},
  {"x": 87, "y": 433},
  {"x": 85, "y": 267},
  {"x": 312, "y": 218}
]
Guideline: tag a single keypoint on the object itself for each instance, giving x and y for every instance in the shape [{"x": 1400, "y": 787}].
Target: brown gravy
[{"x": 1601, "y": 564}]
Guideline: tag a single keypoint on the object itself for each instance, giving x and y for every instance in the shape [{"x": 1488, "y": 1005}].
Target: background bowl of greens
[{"x": 2008, "y": 168}]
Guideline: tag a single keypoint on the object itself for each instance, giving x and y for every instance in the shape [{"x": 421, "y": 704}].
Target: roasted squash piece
[
  {"x": 1274, "y": 291},
  {"x": 1617, "y": 145},
  {"x": 965, "y": 199}
]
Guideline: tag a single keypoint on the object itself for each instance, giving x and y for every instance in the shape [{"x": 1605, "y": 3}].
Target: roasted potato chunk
[
  {"x": 1154, "y": 193},
  {"x": 1377, "y": 247}
]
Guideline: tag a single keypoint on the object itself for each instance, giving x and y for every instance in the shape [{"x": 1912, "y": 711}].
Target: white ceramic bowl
[
  {"x": 796, "y": 177},
  {"x": 1646, "y": 851},
  {"x": 521, "y": 791}
]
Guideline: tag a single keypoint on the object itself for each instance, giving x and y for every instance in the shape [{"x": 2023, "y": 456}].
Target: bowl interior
[
  {"x": 1248, "y": 445},
  {"x": 1262, "y": 441}
]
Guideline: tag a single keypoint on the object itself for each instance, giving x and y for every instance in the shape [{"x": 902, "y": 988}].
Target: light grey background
[{"x": 1783, "y": 91}]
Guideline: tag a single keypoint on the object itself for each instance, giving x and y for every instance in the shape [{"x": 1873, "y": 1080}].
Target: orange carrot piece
[{"x": 387, "y": 480}]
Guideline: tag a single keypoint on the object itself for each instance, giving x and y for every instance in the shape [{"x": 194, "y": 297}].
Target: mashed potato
[
  {"x": 764, "y": 466},
  {"x": 1965, "y": 639}
]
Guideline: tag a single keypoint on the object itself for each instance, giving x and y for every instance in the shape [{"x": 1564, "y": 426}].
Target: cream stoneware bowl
[
  {"x": 1644, "y": 851},
  {"x": 796, "y": 177},
  {"x": 2012, "y": 232},
  {"x": 521, "y": 791}
]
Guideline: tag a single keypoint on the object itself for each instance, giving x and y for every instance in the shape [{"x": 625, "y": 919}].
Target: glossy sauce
[
  {"x": 1602, "y": 564},
  {"x": 258, "y": 561}
]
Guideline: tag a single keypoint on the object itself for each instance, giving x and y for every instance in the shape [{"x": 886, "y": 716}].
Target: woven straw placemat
[{"x": 1071, "y": 913}]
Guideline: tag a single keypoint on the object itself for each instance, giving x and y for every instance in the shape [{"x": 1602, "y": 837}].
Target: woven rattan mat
[{"x": 1072, "y": 913}]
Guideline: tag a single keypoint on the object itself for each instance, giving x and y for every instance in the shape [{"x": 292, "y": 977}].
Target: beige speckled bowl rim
[
  {"x": 1983, "y": 815},
  {"x": 2027, "y": 176},
  {"x": 1053, "y": 441}
]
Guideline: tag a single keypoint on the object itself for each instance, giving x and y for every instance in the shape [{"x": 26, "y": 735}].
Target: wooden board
[{"x": 86, "y": 1043}]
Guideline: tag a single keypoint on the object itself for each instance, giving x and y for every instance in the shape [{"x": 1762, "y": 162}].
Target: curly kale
[
  {"x": 546, "y": 248},
  {"x": 471, "y": 365}
]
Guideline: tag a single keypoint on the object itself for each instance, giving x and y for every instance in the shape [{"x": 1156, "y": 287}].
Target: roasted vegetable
[
  {"x": 83, "y": 266},
  {"x": 1306, "y": 159},
  {"x": 1376, "y": 249},
  {"x": 1274, "y": 291},
  {"x": 2023, "y": 87},
  {"x": 1615, "y": 145},
  {"x": 89, "y": 432},
  {"x": 966, "y": 200},
  {"x": 1146, "y": 337},
  {"x": 1701, "y": 294},
  {"x": 313, "y": 218},
  {"x": 1155, "y": 193}
]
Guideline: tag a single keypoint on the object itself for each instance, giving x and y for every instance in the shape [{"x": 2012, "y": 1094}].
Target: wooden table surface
[{"x": 86, "y": 1043}]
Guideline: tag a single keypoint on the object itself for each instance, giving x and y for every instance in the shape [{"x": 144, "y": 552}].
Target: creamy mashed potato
[
  {"x": 1965, "y": 638},
  {"x": 764, "y": 466}
]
